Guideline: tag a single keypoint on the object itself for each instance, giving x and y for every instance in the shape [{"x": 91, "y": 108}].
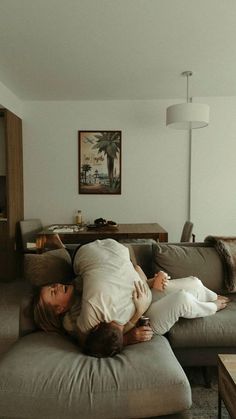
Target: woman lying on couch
[{"x": 115, "y": 295}]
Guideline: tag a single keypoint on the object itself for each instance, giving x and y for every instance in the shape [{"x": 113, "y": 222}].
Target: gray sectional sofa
[
  {"x": 197, "y": 342},
  {"x": 47, "y": 376}
]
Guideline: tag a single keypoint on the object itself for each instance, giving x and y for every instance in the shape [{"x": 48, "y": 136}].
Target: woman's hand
[
  {"x": 140, "y": 297},
  {"x": 138, "y": 334},
  {"x": 160, "y": 281}
]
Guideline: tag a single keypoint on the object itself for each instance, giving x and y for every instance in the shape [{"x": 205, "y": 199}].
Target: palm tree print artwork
[{"x": 100, "y": 162}]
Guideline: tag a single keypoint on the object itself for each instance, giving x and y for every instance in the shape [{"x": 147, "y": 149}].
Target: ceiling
[{"x": 117, "y": 49}]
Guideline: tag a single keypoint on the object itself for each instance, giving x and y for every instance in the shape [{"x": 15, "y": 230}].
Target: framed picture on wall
[{"x": 99, "y": 162}]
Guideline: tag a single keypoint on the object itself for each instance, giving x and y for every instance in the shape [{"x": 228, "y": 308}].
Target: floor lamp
[{"x": 188, "y": 116}]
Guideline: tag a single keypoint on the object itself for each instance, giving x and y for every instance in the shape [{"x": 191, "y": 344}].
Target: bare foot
[
  {"x": 220, "y": 304},
  {"x": 49, "y": 241},
  {"x": 55, "y": 241},
  {"x": 223, "y": 298}
]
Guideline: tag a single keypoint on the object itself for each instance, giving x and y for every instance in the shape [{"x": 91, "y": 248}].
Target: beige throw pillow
[
  {"x": 181, "y": 261},
  {"x": 49, "y": 267}
]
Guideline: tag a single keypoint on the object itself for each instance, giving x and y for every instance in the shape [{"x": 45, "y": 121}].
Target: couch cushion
[
  {"x": 48, "y": 267},
  {"x": 141, "y": 253},
  {"x": 46, "y": 376},
  {"x": 181, "y": 261},
  {"x": 212, "y": 331}
]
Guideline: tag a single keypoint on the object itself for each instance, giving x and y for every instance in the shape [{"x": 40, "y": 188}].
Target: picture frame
[{"x": 99, "y": 162}]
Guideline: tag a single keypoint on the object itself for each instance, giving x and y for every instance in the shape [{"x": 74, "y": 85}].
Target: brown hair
[
  {"x": 105, "y": 340},
  {"x": 45, "y": 317}
]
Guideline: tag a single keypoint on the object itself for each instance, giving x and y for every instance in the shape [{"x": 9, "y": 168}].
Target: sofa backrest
[
  {"x": 141, "y": 253},
  {"x": 184, "y": 259}
]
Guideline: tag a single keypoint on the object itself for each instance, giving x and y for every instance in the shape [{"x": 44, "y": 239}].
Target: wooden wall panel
[{"x": 14, "y": 192}]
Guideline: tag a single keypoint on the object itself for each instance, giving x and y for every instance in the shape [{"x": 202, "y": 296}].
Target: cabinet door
[
  {"x": 14, "y": 167},
  {"x": 3, "y": 251},
  {"x": 9, "y": 256},
  {"x": 2, "y": 147},
  {"x": 3, "y": 235}
]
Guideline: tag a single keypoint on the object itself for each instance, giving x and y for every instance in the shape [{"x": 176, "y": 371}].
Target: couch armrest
[{"x": 26, "y": 322}]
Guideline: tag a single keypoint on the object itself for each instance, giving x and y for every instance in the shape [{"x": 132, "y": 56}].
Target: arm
[
  {"x": 70, "y": 324},
  {"x": 133, "y": 334},
  {"x": 159, "y": 281},
  {"x": 138, "y": 334},
  {"x": 140, "y": 297}
]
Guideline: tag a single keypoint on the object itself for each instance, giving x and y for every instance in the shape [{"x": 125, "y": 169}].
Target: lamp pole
[
  {"x": 189, "y": 172},
  {"x": 187, "y": 74},
  {"x": 188, "y": 116}
]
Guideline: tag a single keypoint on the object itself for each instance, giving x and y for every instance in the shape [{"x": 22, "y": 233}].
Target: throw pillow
[
  {"x": 49, "y": 267},
  {"x": 181, "y": 261}
]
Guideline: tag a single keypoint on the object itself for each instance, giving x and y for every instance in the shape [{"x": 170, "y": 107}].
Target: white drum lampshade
[{"x": 187, "y": 115}]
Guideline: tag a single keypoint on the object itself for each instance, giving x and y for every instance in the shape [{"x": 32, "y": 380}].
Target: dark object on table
[
  {"x": 101, "y": 222},
  {"x": 91, "y": 226}
]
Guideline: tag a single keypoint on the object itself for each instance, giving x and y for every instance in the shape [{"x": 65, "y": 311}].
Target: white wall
[
  {"x": 214, "y": 171},
  {"x": 154, "y": 163},
  {"x": 10, "y": 101}
]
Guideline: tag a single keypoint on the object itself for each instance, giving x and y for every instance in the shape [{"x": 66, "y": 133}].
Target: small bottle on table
[{"x": 78, "y": 218}]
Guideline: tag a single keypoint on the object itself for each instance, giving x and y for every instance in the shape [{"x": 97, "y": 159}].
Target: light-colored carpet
[{"x": 205, "y": 400}]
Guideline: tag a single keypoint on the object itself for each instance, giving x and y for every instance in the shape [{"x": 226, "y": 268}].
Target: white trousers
[{"x": 184, "y": 297}]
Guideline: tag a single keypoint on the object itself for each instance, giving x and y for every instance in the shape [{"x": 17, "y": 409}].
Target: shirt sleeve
[{"x": 87, "y": 318}]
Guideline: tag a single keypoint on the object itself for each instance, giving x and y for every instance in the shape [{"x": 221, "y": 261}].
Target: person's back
[{"x": 108, "y": 283}]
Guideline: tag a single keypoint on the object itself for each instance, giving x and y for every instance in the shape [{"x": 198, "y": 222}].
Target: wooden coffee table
[{"x": 227, "y": 384}]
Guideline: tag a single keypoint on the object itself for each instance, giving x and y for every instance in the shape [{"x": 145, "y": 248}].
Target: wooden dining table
[{"x": 72, "y": 233}]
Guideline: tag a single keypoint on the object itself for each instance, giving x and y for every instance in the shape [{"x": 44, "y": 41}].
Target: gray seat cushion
[
  {"x": 212, "y": 331},
  {"x": 46, "y": 376}
]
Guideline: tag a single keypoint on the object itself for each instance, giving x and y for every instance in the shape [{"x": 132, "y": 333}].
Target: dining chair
[
  {"x": 28, "y": 234},
  {"x": 187, "y": 235},
  {"x": 32, "y": 242}
]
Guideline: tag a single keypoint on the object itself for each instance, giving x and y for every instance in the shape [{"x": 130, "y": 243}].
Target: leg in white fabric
[
  {"x": 193, "y": 285},
  {"x": 165, "y": 312}
]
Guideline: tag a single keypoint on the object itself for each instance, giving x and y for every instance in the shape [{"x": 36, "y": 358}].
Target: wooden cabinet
[
  {"x": 13, "y": 212},
  {"x": 3, "y": 250},
  {"x": 2, "y": 147}
]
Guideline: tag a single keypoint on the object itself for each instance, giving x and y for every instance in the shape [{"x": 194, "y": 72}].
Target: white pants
[{"x": 184, "y": 297}]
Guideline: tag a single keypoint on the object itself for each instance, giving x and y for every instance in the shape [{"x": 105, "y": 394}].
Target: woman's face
[{"x": 57, "y": 295}]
